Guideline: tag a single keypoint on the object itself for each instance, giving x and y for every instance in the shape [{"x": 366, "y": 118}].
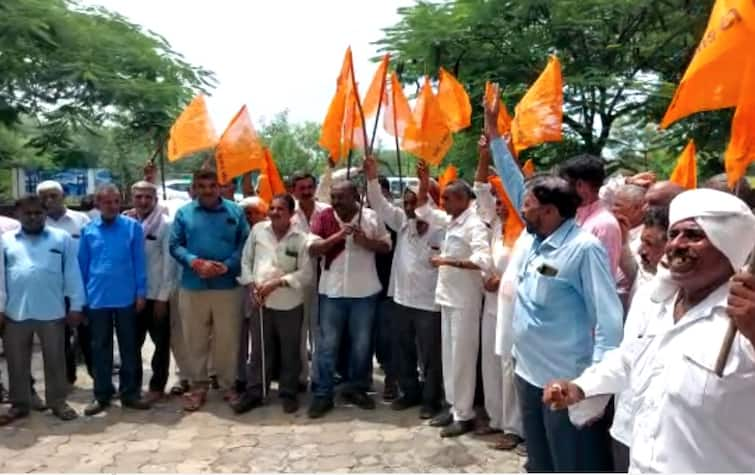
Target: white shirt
[
  {"x": 265, "y": 257},
  {"x": 686, "y": 419},
  {"x": 413, "y": 278},
  {"x": 466, "y": 239},
  {"x": 8, "y": 224},
  {"x": 162, "y": 269},
  {"x": 353, "y": 273},
  {"x": 71, "y": 222},
  {"x": 485, "y": 208},
  {"x": 300, "y": 219}
]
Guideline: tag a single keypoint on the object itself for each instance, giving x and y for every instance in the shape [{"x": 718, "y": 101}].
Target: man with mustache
[{"x": 686, "y": 417}]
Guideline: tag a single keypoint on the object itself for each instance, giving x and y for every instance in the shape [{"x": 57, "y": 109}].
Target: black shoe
[
  {"x": 302, "y": 387},
  {"x": 319, "y": 407},
  {"x": 138, "y": 404},
  {"x": 239, "y": 386},
  {"x": 359, "y": 399},
  {"x": 427, "y": 411},
  {"x": 36, "y": 402},
  {"x": 390, "y": 389},
  {"x": 13, "y": 414},
  {"x": 64, "y": 412},
  {"x": 3, "y": 394},
  {"x": 246, "y": 403},
  {"x": 442, "y": 420},
  {"x": 457, "y": 428},
  {"x": 404, "y": 402},
  {"x": 290, "y": 405},
  {"x": 95, "y": 407},
  {"x": 214, "y": 384}
]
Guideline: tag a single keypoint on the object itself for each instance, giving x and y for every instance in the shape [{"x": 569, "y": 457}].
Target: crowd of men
[{"x": 605, "y": 316}]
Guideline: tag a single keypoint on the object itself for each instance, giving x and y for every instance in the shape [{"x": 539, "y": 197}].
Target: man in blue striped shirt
[
  {"x": 113, "y": 267},
  {"x": 40, "y": 271}
]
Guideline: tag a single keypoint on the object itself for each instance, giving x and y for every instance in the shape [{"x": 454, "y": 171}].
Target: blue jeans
[
  {"x": 554, "y": 444},
  {"x": 101, "y": 322},
  {"x": 356, "y": 316}
]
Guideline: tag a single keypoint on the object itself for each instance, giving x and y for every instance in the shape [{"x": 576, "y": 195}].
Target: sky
[{"x": 268, "y": 54}]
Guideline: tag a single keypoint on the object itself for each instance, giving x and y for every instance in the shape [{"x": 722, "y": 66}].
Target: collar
[
  {"x": 220, "y": 208},
  {"x": 558, "y": 237},
  {"x": 21, "y": 234},
  {"x": 459, "y": 220},
  {"x": 584, "y": 212},
  {"x": 62, "y": 216},
  {"x": 98, "y": 221},
  {"x": 715, "y": 300},
  {"x": 292, "y": 230}
]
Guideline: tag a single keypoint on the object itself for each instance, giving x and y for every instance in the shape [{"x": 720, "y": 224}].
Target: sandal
[
  {"x": 180, "y": 388},
  {"x": 65, "y": 413},
  {"x": 486, "y": 430},
  {"x": 506, "y": 442},
  {"x": 13, "y": 414},
  {"x": 194, "y": 400}
]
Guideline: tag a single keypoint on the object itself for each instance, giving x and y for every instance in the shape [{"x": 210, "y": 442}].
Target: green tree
[
  {"x": 294, "y": 146},
  {"x": 621, "y": 60}
]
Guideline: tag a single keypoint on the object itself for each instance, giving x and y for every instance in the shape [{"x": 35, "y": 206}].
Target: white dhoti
[{"x": 460, "y": 335}]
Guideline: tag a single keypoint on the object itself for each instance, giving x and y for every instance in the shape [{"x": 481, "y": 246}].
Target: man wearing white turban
[{"x": 686, "y": 418}]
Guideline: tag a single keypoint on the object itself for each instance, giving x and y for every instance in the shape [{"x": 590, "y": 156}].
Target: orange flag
[
  {"x": 269, "y": 183},
  {"x": 514, "y": 224},
  {"x": 449, "y": 174},
  {"x": 454, "y": 102},
  {"x": 342, "y": 128},
  {"x": 528, "y": 169},
  {"x": 713, "y": 79},
  {"x": 239, "y": 149},
  {"x": 372, "y": 97},
  {"x": 428, "y": 136},
  {"x": 538, "y": 116},
  {"x": 397, "y": 103},
  {"x": 685, "y": 172},
  {"x": 192, "y": 131},
  {"x": 741, "y": 150},
  {"x": 504, "y": 119}
]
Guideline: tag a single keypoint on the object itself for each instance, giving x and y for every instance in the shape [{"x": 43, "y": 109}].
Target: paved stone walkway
[{"x": 165, "y": 439}]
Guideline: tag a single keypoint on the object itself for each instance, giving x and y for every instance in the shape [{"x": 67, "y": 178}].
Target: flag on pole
[
  {"x": 372, "y": 97},
  {"x": 685, "y": 171},
  {"x": 713, "y": 79},
  {"x": 454, "y": 102},
  {"x": 239, "y": 149},
  {"x": 403, "y": 111},
  {"x": 269, "y": 183},
  {"x": 539, "y": 115},
  {"x": 428, "y": 135},
  {"x": 192, "y": 131},
  {"x": 741, "y": 150},
  {"x": 514, "y": 224}
]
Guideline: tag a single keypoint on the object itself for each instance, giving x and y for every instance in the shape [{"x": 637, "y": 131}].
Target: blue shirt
[
  {"x": 216, "y": 234},
  {"x": 565, "y": 322},
  {"x": 112, "y": 262},
  {"x": 40, "y": 272},
  {"x": 508, "y": 170}
]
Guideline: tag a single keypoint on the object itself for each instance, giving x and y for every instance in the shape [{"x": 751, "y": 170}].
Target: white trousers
[
  {"x": 460, "y": 335},
  {"x": 501, "y": 402}
]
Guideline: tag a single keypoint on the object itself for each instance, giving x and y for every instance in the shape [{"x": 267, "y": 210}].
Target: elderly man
[
  {"x": 275, "y": 267},
  {"x": 161, "y": 281},
  {"x": 113, "y": 268},
  {"x": 686, "y": 418},
  {"x": 464, "y": 253},
  {"x": 207, "y": 237},
  {"x": 346, "y": 238},
  {"x": 412, "y": 286},
  {"x": 39, "y": 273},
  {"x": 60, "y": 217},
  {"x": 660, "y": 194}
]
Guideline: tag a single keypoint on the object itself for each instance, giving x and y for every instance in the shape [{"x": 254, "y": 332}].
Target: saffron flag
[
  {"x": 504, "y": 119},
  {"x": 741, "y": 150},
  {"x": 528, "y": 169},
  {"x": 454, "y": 102},
  {"x": 239, "y": 149},
  {"x": 713, "y": 79},
  {"x": 192, "y": 131},
  {"x": 449, "y": 174},
  {"x": 514, "y": 224},
  {"x": 428, "y": 136},
  {"x": 398, "y": 114},
  {"x": 685, "y": 171},
  {"x": 539, "y": 115},
  {"x": 376, "y": 91},
  {"x": 269, "y": 183}
]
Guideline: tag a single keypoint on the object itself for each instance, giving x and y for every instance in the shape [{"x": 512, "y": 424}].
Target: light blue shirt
[
  {"x": 113, "y": 263},
  {"x": 40, "y": 272},
  {"x": 566, "y": 322},
  {"x": 508, "y": 170}
]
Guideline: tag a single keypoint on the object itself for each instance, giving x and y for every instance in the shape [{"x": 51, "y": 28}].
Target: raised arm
[
  {"x": 393, "y": 216},
  {"x": 505, "y": 164}
]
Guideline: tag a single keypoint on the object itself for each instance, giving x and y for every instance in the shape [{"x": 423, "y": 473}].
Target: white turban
[
  {"x": 49, "y": 185},
  {"x": 253, "y": 202},
  {"x": 726, "y": 220}
]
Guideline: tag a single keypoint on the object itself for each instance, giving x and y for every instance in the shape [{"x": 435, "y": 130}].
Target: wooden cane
[{"x": 731, "y": 332}]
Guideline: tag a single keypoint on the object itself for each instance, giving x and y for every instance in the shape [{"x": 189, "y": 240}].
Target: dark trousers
[
  {"x": 553, "y": 443},
  {"x": 418, "y": 329},
  {"x": 101, "y": 322},
  {"x": 159, "y": 333},
  {"x": 18, "y": 339},
  {"x": 384, "y": 336},
  {"x": 620, "y": 454},
  {"x": 356, "y": 314},
  {"x": 281, "y": 332},
  {"x": 77, "y": 338}
]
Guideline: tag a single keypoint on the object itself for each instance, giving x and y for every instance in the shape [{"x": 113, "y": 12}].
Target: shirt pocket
[
  {"x": 54, "y": 261},
  {"x": 549, "y": 291}
]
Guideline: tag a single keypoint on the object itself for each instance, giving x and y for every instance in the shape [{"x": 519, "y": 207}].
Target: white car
[{"x": 179, "y": 190}]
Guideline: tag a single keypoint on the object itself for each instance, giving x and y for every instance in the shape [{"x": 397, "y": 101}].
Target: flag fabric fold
[
  {"x": 192, "y": 131},
  {"x": 428, "y": 135},
  {"x": 740, "y": 152},
  {"x": 454, "y": 102},
  {"x": 685, "y": 171},
  {"x": 514, "y": 224},
  {"x": 239, "y": 149},
  {"x": 539, "y": 115},
  {"x": 397, "y": 103}
]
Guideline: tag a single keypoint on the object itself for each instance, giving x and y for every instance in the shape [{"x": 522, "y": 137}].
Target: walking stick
[{"x": 262, "y": 349}]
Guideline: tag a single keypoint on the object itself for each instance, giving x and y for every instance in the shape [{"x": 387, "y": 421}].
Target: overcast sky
[{"x": 268, "y": 54}]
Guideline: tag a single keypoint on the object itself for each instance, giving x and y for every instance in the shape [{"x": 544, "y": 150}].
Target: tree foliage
[
  {"x": 294, "y": 146},
  {"x": 621, "y": 61}
]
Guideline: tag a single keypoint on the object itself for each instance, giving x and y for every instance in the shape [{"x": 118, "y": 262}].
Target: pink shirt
[{"x": 598, "y": 221}]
